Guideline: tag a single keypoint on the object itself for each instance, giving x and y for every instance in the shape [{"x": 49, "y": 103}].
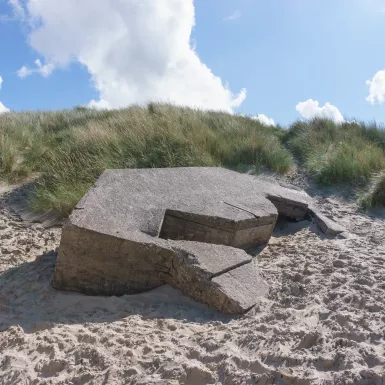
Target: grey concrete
[
  {"x": 238, "y": 289},
  {"x": 192, "y": 227},
  {"x": 129, "y": 200},
  {"x": 101, "y": 264},
  {"x": 326, "y": 225},
  {"x": 138, "y": 229},
  {"x": 292, "y": 208},
  {"x": 202, "y": 271}
]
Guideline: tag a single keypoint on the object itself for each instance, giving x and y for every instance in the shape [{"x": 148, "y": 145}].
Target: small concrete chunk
[
  {"x": 237, "y": 290},
  {"x": 208, "y": 260},
  {"x": 198, "y": 265},
  {"x": 326, "y": 225}
]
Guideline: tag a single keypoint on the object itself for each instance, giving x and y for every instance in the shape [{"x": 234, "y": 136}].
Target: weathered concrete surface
[
  {"x": 328, "y": 226},
  {"x": 138, "y": 229},
  {"x": 296, "y": 209},
  {"x": 222, "y": 277},
  {"x": 192, "y": 227},
  {"x": 238, "y": 289},
  {"x": 123, "y": 201},
  {"x": 99, "y": 264}
]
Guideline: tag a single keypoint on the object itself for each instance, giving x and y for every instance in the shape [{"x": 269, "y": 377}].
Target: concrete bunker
[{"x": 137, "y": 229}]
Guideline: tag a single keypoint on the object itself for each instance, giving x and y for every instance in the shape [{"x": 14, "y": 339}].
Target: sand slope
[{"x": 323, "y": 321}]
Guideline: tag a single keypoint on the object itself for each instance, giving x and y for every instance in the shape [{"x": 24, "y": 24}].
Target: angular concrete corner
[
  {"x": 238, "y": 289},
  {"x": 188, "y": 227},
  {"x": 224, "y": 278},
  {"x": 101, "y": 264},
  {"x": 326, "y": 225}
]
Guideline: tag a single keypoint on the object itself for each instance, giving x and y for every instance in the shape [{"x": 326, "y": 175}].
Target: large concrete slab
[
  {"x": 137, "y": 229},
  {"x": 137, "y": 199}
]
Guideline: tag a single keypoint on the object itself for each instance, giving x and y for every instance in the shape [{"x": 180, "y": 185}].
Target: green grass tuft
[
  {"x": 332, "y": 153},
  {"x": 375, "y": 197}
]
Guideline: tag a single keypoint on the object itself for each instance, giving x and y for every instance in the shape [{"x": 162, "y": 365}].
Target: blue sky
[{"x": 278, "y": 57}]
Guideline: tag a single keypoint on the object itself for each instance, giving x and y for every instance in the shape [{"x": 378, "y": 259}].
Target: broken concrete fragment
[
  {"x": 113, "y": 266},
  {"x": 238, "y": 289},
  {"x": 208, "y": 260},
  {"x": 326, "y": 225},
  {"x": 208, "y": 274},
  {"x": 295, "y": 209}
]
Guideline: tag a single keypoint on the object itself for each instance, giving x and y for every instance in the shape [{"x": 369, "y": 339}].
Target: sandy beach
[{"x": 322, "y": 322}]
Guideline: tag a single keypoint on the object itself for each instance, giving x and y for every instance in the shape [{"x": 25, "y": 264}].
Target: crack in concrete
[
  {"x": 230, "y": 269},
  {"x": 242, "y": 209}
]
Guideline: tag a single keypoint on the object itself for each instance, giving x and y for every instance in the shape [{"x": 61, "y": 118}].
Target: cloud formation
[
  {"x": 266, "y": 121},
  {"x": 2, "y": 107},
  {"x": 311, "y": 109},
  {"x": 377, "y": 88},
  {"x": 44, "y": 70},
  {"x": 135, "y": 51}
]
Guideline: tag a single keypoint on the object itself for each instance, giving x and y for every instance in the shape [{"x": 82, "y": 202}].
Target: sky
[{"x": 277, "y": 60}]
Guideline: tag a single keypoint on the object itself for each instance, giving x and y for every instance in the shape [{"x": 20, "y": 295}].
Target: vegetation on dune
[
  {"x": 71, "y": 148},
  {"x": 338, "y": 153},
  {"x": 375, "y": 197}
]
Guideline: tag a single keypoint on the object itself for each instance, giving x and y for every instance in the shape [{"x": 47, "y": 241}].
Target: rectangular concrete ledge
[{"x": 189, "y": 227}]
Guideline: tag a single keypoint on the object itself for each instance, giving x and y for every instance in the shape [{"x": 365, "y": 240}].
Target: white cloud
[
  {"x": 2, "y": 107},
  {"x": 234, "y": 16},
  {"x": 42, "y": 69},
  {"x": 264, "y": 120},
  {"x": 99, "y": 105},
  {"x": 136, "y": 51},
  {"x": 311, "y": 109},
  {"x": 24, "y": 72},
  {"x": 377, "y": 88}
]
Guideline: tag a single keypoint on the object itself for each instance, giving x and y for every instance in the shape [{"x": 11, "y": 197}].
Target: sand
[{"x": 323, "y": 321}]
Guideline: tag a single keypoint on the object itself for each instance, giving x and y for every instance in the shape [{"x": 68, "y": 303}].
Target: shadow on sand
[{"x": 28, "y": 300}]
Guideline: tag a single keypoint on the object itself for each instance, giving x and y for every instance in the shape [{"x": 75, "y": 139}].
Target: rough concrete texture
[
  {"x": 327, "y": 225},
  {"x": 137, "y": 229}
]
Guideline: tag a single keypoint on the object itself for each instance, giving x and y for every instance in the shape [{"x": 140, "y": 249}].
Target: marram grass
[
  {"x": 71, "y": 148},
  {"x": 338, "y": 153}
]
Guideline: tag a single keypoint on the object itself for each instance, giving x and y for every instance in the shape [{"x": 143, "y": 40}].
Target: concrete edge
[{"x": 325, "y": 224}]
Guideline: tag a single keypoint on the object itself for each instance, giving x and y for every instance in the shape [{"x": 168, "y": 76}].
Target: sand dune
[{"x": 323, "y": 321}]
